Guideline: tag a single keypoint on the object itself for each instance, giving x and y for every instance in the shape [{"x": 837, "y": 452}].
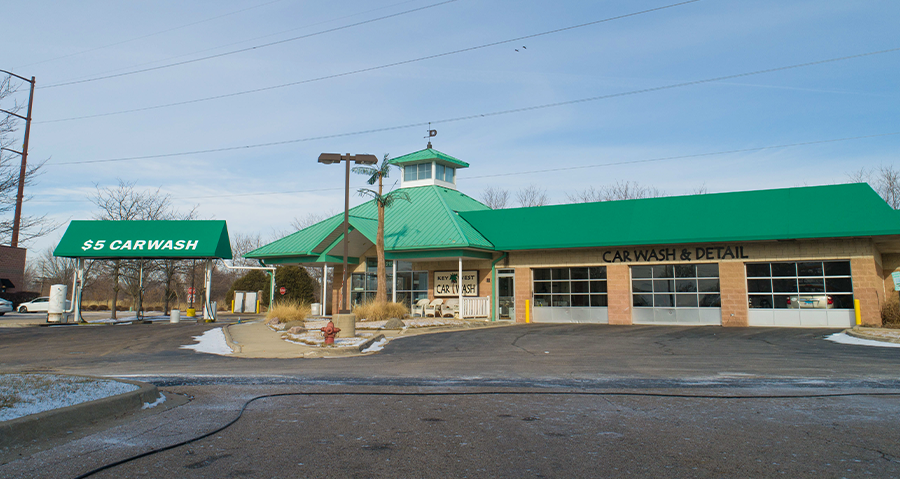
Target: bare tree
[
  {"x": 310, "y": 219},
  {"x": 495, "y": 198},
  {"x": 885, "y": 180},
  {"x": 700, "y": 190},
  {"x": 30, "y": 227},
  {"x": 629, "y": 190},
  {"x": 124, "y": 202},
  {"x": 620, "y": 190},
  {"x": 50, "y": 269},
  {"x": 588, "y": 195},
  {"x": 532, "y": 195}
]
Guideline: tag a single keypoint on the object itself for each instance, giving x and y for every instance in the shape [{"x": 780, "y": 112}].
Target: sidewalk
[
  {"x": 256, "y": 340},
  {"x": 876, "y": 334}
]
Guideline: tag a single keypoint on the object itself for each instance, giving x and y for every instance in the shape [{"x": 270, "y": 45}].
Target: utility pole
[{"x": 17, "y": 220}]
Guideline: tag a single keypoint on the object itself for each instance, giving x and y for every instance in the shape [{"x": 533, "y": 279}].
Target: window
[
  {"x": 800, "y": 285},
  {"x": 444, "y": 173},
  {"x": 570, "y": 287},
  {"x": 411, "y": 285},
  {"x": 675, "y": 286},
  {"x": 420, "y": 171}
]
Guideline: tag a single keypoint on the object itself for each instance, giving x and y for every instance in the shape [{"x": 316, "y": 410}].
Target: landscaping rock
[
  {"x": 297, "y": 330},
  {"x": 394, "y": 323}
]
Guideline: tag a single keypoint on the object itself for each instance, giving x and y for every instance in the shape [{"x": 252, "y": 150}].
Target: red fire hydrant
[{"x": 330, "y": 331}]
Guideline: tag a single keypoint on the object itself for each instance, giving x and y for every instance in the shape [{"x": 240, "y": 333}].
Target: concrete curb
[
  {"x": 369, "y": 342},
  {"x": 57, "y": 421},
  {"x": 235, "y": 347},
  {"x": 875, "y": 334}
]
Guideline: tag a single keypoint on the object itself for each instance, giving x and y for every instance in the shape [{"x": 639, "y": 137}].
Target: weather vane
[{"x": 431, "y": 134}]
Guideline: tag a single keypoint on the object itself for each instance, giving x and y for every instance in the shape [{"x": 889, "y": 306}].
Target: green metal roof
[
  {"x": 429, "y": 221},
  {"x": 145, "y": 239},
  {"x": 837, "y": 211},
  {"x": 429, "y": 154}
]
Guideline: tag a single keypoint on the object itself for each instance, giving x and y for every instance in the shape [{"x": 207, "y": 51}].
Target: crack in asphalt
[{"x": 513, "y": 344}]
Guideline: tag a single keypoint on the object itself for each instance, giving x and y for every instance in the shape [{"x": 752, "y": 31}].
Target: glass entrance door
[{"x": 506, "y": 295}]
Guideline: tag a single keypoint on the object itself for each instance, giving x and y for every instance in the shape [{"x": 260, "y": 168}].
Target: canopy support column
[
  {"x": 77, "y": 284},
  {"x": 208, "y": 313},
  {"x": 324, "y": 287},
  {"x": 394, "y": 282},
  {"x": 459, "y": 282}
]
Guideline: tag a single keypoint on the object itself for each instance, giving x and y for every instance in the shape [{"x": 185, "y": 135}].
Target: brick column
[
  {"x": 868, "y": 288},
  {"x": 733, "y": 286},
  {"x": 618, "y": 291},
  {"x": 523, "y": 293}
]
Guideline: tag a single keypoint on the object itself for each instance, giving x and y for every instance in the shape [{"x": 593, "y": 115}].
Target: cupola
[{"x": 428, "y": 167}]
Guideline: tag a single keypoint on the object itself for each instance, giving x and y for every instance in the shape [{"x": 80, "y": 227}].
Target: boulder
[{"x": 394, "y": 323}]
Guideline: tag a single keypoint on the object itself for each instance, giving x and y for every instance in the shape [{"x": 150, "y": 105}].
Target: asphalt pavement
[{"x": 519, "y": 401}]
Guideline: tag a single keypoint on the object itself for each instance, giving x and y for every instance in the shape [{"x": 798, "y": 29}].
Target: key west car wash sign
[
  {"x": 447, "y": 283},
  {"x": 145, "y": 239}
]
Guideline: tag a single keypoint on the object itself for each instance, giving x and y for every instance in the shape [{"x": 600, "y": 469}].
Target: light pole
[
  {"x": 329, "y": 158},
  {"x": 17, "y": 219}
]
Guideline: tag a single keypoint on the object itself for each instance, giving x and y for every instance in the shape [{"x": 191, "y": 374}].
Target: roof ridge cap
[{"x": 453, "y": 215}]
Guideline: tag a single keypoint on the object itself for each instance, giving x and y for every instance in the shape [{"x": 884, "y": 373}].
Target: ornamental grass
[
  {"x": 285, "y": 311},
  {"x": 374, "y": 311}
]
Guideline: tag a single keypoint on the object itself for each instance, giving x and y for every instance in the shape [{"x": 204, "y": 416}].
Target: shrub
[
  {"x": 890, "y": 314},
  {"x": 285, "y": 311},
  {"x": 372, "y": 311},
  {"x": 298, "y": 284}
]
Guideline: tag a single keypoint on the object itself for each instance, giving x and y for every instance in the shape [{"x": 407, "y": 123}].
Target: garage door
[
  {"x": 685, "y": 294},
  {"x": 801, "y": 294}
]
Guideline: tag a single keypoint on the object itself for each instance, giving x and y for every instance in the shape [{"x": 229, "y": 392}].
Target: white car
[
  {"x": 39, "y": 305},
  {"x": 5, "y": 306}
]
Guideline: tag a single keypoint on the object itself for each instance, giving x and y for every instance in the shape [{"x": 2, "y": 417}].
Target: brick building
[
  {"x": 802, "y": 257},
  {"x": 12, "y": 269}
]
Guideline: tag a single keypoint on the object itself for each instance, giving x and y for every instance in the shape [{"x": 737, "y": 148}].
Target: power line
[
  {"x": 567, "y": 168},
  {"x": 269, "y": 35},
  {"x": 152, "y": 34},
  {"x": 480, "y": 115},
  {"x": 279, "y": 42},
  {"x": 682, "y": 157},
  {"x": 380, "y": 67}
]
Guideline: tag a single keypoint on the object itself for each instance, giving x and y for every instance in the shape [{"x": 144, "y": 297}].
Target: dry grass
[
  {"x": 286, "y": 311},
  {"x": 8, "y": 400},
  {"x": 890, "y": 315},
  {"x": 372, "y": 311}
]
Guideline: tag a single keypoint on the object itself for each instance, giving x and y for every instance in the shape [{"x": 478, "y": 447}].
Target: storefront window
[
  {"x": 411, "y": 285},
  {"x": 675, "y": 286},
  {"x": 570, "y": 287},
  {"x": 800, "y": 285}
]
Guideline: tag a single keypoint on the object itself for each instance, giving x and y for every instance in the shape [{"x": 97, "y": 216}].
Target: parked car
[
  {"x": 5, "y": 306},
  {"x": 39, "y": 305},
  {"x": 811, "y": 301}
]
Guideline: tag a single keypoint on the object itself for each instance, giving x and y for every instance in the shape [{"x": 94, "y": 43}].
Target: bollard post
[
  {"x": 527, "y": 311},
  {"x": 856, "y": 311}
]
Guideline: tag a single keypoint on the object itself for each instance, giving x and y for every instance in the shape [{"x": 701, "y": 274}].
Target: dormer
[{"x": 428, "y": 167}]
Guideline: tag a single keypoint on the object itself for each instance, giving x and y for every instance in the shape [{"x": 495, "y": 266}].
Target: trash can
[
  {"x": 316, "y": 309},
  {"x": 175, "y": 316}
]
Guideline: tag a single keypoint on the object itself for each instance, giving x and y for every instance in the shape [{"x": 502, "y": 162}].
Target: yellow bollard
[
  {"x": 257, "y": 306},
  {"x": 527, "y": 311},
  {"x": 232, "y": 306},
  {"x": 856, "y": 310}
]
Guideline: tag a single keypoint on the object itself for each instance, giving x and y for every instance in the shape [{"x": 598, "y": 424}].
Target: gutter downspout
[{"x": 494, "y": 285}]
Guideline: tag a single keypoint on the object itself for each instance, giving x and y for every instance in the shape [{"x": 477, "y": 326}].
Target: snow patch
[
  {"x": 844, "y": 338},
  {"x": 161, "y": 399},
  {"x": 27, "y": 394},
  {"x": 211, "y": 342},
  {"x": 376, "y": 346}
]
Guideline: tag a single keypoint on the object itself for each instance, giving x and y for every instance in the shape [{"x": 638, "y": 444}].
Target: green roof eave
[
  {"x": 145, "y": 239},
  {"x": 429, "y": 154},
  {"x": 836, "y": 211}
]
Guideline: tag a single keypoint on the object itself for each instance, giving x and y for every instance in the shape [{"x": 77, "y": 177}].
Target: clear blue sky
[{"x": 63, "y": 41}]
